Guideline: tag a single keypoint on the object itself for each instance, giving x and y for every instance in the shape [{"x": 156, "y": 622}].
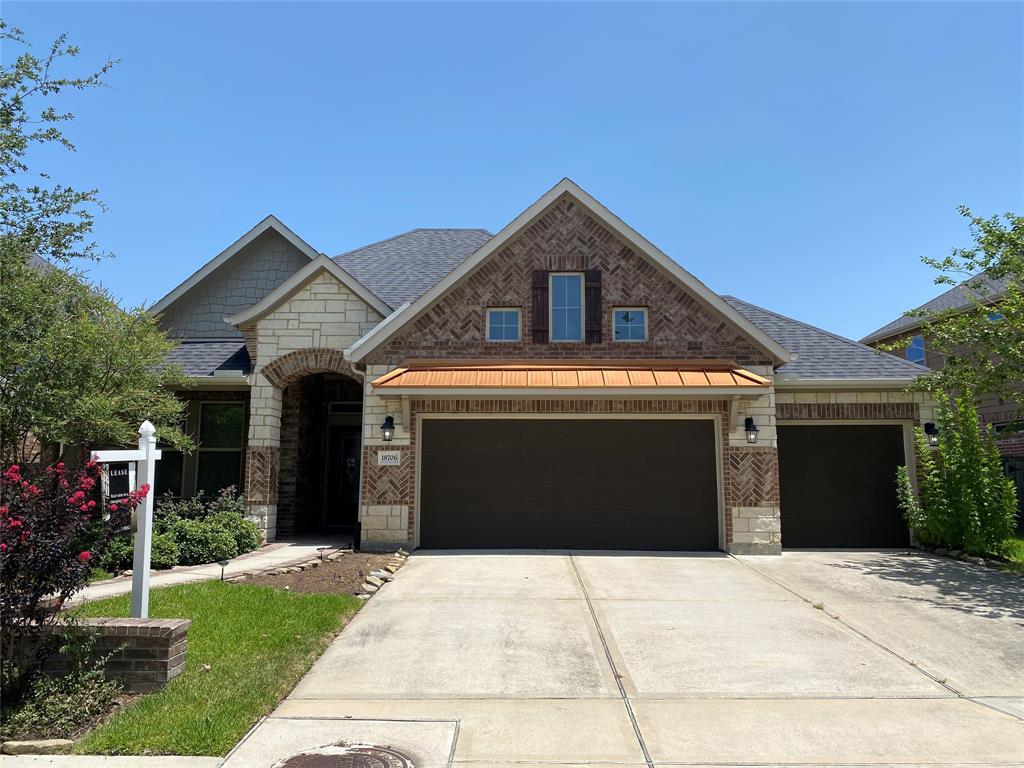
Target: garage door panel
[
  {"x": 627, "y": 484},
  {"x": 838, "y": 485}
]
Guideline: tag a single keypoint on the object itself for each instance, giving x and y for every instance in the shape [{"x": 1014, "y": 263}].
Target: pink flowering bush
[{"x": 50, "y": 525}]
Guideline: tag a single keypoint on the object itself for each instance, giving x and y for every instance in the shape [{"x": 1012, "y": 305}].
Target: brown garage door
[
  {"x": 838, "y": 486},
  {"x": 568, "y": 483}
]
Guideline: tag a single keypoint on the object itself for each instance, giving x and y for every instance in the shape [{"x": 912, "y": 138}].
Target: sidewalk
[{"x": 274, "y": 555}]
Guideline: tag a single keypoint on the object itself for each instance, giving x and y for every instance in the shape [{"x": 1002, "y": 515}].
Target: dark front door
[
  {"x": 569, "y": 483},
  {"x": 837, "y": 485},
  {"x": 341, "y": 504}
]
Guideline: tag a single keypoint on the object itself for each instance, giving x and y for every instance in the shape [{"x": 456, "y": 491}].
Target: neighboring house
[
  {"x": 1001, "y": 414},
  {"x": 562, "y": 383}
]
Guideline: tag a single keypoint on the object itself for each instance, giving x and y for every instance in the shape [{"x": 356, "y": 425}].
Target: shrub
[
  {"x": 164, "y": 552},
  {"x": 57, "y": 707},
  {"x": 200, "y": 541},
  {"x": 964, "y": 501},
  {"x": 246, "y": 533},
  {"x": 50, "y": 526},
  {"x": 117, "y": 555}
]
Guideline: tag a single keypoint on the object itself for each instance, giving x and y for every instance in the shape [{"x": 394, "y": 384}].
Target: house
[
  {"x": 1001, "y": 414},
  {"x": 562, "y": 383}
]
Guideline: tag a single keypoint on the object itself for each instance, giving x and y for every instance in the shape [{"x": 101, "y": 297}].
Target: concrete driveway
[{"x": 822, "y": 658}]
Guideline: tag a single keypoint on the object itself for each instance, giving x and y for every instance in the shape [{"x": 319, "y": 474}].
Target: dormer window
[{"x": 566, "y": 306}]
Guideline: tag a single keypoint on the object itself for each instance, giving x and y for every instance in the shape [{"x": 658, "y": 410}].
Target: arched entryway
[{"x": 318, "y": 480}]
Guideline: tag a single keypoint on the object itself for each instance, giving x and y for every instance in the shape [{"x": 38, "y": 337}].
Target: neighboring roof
[
  {"x": 599, "y": 377},
  {"x": 404, "y": 267},
  {"x": 978, "y": 288},
  {"x": 824, "y": 356},
  {"x": 300, "y": 278},
  {"x": 270, "y": 222},
  {"x": 204, "y": 358},
  {"x": 398, "y": 320}
]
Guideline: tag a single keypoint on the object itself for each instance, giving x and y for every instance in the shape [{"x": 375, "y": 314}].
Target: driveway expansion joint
[{"x": 611, "y": 663}]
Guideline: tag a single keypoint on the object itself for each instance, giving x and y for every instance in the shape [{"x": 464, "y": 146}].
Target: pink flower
[
  {"x": 3, "y": 547},
  {"x": 84, "y": 556}
]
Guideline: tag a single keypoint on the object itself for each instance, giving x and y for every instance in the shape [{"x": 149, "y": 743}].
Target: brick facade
[{"x": 568, "y": 238}]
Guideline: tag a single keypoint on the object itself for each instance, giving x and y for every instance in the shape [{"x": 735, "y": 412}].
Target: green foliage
[
  {"x": 245, "y": 532},
  {"x": 982, "y": 355},
  {"x": 965, "y": 500},
  {"x": 202, "y": 541},
  {"x": 117, "y": 555},
  {"x": 76, "y": 369},
  {"x": 257, "y": 643},
  {"x": 58, "y": 707},
  {"x": 164, "y": 552},
  {"x": 226, "y": 511}
]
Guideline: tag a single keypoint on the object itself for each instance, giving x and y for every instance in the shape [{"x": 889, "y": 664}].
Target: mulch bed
[{"x": 342, "y": 576}]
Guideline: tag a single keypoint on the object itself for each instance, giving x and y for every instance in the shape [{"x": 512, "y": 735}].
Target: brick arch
[{"x": 293, "y": 366}]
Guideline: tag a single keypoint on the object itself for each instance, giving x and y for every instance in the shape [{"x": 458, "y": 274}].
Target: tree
[
  {"x": 75, "y": 369},
  {"x": 983, "y": 344},
  {"x": 964, "y": 500}
]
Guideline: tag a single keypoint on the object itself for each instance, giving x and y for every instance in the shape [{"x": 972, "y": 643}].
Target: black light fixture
[
  {"x": 387, "y": 429},
  {"x": 223, "y": 564},
  {"x": 751, "y": 429},
  {"x": 933, "y": 434}
]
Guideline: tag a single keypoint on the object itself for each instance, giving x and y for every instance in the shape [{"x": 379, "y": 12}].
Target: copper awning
[{"x": 601, "y": 377}]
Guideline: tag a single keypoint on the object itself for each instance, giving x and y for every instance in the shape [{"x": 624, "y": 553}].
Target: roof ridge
[
  {"x": 835, "y": 336},
  {"x": 409, "y": 232}
]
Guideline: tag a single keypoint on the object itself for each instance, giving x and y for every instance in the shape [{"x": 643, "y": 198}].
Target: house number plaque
[{"x": 389, "y": 458}]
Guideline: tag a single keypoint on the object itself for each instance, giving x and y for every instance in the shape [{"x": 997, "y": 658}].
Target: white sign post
[{"x": 147, "y": 455}]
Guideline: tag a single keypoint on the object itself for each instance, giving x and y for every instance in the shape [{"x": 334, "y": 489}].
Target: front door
[{"x": 341, "y": 504}]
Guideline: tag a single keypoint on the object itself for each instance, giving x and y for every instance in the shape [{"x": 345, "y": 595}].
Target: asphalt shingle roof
[
  {"x": 199, "y": 357},
  {"x": 404, "y": 267},
  {"x": 977, "y": 288},
  {"x": 824, "y": 355}
]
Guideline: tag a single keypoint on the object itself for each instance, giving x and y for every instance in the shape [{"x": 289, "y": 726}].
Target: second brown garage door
[
  {"x": 568, "y": 483},
  {"x": 837, "y": 485}
]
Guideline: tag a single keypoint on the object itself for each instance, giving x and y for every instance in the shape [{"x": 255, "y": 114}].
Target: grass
[
  {"x": 257, "y": 641},
  {"x": 1013, "y": 550},
  {"x": 98, "y": 574}
]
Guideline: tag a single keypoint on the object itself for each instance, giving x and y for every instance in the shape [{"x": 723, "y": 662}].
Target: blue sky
[{"x": 801, "y": 156}]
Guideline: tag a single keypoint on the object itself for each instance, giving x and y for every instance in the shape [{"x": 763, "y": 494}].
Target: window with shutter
[{"x": 540, "y": 307}]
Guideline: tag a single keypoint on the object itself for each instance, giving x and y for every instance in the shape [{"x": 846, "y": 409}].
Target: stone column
[{"x": 263, "y": 455}]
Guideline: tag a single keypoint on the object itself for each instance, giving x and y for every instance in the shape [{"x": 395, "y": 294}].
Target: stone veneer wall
[
  {"x": 749, "y": 473},
  {"x": 305, "y": 334}
]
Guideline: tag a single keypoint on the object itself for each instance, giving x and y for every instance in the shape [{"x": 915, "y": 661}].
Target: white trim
[
  {"x": 294, "y": 283},
  {"x": 583, "y": 308},
  {"x": 270, "y": 222},
  {"x": 487, "y": 324},
  {"x": 570, "y": 392},
  {"x": 373, "y": 341},
  {"x": 715, "y": 418},
  {"x": 783, "y": 384},
  {"x": 647, "y": 317}
]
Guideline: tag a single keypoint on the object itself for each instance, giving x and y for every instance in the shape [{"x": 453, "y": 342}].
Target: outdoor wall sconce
[
  {"x": 387, "y": 429},
  {"x": 751, "y": 429},
  {"x": 933, "y": 434}
]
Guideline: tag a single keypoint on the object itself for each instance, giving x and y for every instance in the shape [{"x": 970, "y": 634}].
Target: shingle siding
[{"x": 253, "y": 273}]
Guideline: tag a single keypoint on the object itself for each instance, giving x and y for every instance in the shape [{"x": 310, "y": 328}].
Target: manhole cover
[{"x": 348, "y": 756}]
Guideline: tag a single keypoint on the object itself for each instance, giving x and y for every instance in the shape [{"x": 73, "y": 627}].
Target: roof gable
[
  {"x": 271, "y": 222},
  {"x": 694, "y": 287}
]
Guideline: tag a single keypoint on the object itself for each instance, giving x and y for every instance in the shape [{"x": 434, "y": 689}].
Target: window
[
  {"x": 219, "y": 457},
  {"x": 566, "y": 307},
  {"x": 503, "y": 325},
  {"x": 169, "y": 472},
  {"x": 915, "y": 352},
  {"x": 629, "y": 323}
]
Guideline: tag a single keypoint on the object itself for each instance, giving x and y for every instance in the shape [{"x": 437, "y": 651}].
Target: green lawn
[
  {"x": 98, "y": 574},
  {"x": 258, "y": 642},
  {"x": 1013, "y": 550}
]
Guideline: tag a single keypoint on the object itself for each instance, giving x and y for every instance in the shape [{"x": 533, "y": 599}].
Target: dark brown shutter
[
  {"x": 540, "y": 307},
  {"x": 593, "y": 306}
]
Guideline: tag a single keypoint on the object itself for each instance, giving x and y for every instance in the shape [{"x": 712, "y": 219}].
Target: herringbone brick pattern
[
  {"x": 391, "y": 484},
  {"x": 261, "y": 467},
  {"x": 752, "y": 477},
  {"x": 567, "y": 237}
]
